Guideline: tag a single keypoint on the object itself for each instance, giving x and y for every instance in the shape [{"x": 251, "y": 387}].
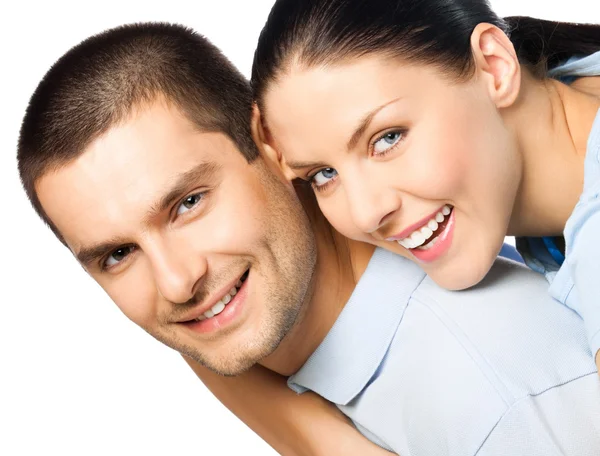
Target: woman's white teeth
[
  {"x": 219, "y": 306},
  {"x": 427, "y": 232},
  {"x": 429, "y": 244},
  {"x": 418, "y": 237}
]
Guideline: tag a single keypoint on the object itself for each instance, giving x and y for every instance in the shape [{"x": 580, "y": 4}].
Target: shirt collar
[{"x": 350, "y": 354}]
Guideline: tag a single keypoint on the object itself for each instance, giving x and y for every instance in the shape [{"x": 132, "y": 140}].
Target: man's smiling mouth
[
  {"x": 226, "y": 299},
  {"x": 215, "y": 309}
]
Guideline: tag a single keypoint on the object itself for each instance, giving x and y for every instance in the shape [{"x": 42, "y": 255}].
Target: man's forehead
[{"x": 126, "y": 173}]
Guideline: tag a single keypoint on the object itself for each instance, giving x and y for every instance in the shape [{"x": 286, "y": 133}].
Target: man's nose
[{"x": 178, "y": 272}]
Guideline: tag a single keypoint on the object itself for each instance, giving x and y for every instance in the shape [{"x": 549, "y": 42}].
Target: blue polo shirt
[
  {"x": 500, "y": 369},
  {"x": 575, "y": 276}
]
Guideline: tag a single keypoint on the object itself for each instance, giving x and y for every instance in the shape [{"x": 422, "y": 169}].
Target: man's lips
[
  {"x": 216, "y": 297},
  {"x": 224, "y": 318},
  {"x": 415, "y": 226}
]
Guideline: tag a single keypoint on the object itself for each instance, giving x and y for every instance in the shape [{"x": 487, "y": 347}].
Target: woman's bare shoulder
[{"x": 588, "y": 84}]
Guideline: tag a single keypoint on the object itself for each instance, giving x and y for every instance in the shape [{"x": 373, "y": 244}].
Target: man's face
[{"x": 176, "y": 226}]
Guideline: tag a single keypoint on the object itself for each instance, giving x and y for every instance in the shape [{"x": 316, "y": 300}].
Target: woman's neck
[{"x": 552, "y": 123}]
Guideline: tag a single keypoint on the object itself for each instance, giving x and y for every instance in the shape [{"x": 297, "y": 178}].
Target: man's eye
[
  {"x": 189, "y": 203},
  {"x": 117, "y": 256}
]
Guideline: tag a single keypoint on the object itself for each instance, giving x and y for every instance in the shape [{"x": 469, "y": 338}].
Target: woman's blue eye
[
  {"x": 189, "y": 203},
  {"x": 386, "y": 142},
  {"x": 117, "y": 256},
  {"x": 324, "y": 176}
]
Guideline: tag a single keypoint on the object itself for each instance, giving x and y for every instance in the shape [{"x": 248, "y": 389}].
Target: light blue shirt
[
  {"x": 576, "y": 282},
  {"x": 501, "y": 369}
]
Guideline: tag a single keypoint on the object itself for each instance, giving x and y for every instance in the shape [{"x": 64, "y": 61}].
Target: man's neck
[{"x": 340, "y": 264}]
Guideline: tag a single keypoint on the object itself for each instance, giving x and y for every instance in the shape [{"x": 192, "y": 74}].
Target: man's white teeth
[
  {"x": 219, "y": 306},
  {"x": 418, "y": 237}
]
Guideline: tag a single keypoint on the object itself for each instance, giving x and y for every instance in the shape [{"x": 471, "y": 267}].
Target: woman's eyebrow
[
  {"x": 358, "y": 132},
  {"x": 365, "y": 122}
]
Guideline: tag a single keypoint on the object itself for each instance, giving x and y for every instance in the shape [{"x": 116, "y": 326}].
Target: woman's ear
[
  {"x": 497, "y": 63},
  {"x": 265, "y": 144}
]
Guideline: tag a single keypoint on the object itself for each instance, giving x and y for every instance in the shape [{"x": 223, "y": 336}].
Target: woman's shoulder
[
  {"x": 588, "y": 84},
  {"x": 577, "y": 67},
  {"x": 580, "y": 72}
]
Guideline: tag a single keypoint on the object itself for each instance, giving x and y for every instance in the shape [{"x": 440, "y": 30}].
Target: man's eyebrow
[
  {"x": 364, "y": 124},
  {"x": 87, "y": 255},
  {"x": 303, "y": 165},
  {"x": 201, "y": 173}
]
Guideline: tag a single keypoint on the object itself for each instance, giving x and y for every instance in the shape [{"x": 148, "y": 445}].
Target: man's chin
[
  {"x": 238, "y": 348},
  {"x": 228, "y": 365}
]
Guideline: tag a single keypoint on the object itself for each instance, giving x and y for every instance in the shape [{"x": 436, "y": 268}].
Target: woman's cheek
[{"x": 436, "y": 176}]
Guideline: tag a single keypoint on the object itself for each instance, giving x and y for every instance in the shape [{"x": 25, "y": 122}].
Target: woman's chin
[
  {"x": 459, "y": 274},
  {"x": 448, "y": 271}
]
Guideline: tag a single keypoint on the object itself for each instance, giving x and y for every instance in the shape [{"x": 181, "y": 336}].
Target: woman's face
[{"x": 401, "y": 157}]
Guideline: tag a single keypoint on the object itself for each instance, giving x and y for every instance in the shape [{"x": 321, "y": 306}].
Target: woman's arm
[{"x": 294, "y": 425}]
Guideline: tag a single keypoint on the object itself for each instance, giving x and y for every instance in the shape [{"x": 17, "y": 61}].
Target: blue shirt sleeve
[
  {"x": 582, "y": 237},
  {"x": 508, "y": 251},
  {"x": 584, "y": 263}
]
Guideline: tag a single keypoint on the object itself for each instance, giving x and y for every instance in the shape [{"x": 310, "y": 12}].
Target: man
[{"x": 137, "y": 150}]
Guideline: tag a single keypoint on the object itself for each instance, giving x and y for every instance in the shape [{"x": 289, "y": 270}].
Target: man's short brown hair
[{"x": 98, "y": 83}]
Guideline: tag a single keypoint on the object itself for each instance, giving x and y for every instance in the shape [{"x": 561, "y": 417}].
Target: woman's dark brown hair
[{"x": 438, "y": 32}]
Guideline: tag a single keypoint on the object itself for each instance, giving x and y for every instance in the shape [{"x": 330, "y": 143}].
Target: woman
[{"x": 426, "y": 130}]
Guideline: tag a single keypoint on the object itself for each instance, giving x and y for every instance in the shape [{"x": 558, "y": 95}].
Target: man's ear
[
  {"x": 266, "y": 146},
  {"x": 497, "y": 63}
]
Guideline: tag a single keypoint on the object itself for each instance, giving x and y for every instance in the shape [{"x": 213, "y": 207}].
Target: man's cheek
[
  {"x": 236, "y": 232},
  {"x": 139, "y": 306}
]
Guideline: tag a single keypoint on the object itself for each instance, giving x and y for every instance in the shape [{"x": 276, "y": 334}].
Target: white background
[{"x": 76, "y": 377}]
